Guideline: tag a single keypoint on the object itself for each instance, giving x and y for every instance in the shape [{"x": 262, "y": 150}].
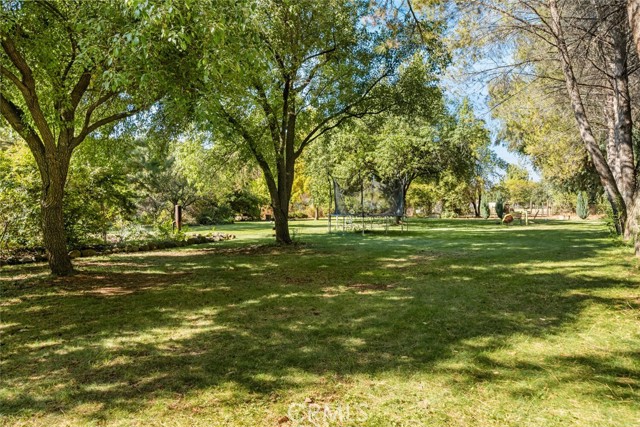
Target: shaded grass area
[{"x": 452, "y": 323}]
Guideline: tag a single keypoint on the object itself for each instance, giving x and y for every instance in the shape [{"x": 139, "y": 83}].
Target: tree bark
[
  {"x": 612, "y": 148},
  {"x": 281, "y": 219},
  {"x": 622, "y": 115},
  {"x": 633, "y": 222},
  {"x": 476, "y": 207},
  {"x": 633, "y": 12},
  {"x": 54, "y": 234}
]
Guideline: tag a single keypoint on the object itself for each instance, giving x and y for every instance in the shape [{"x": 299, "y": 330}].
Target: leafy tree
[
  {"x": 475, "y": 163},
  {"x": 245, "y": 204},
  {"x": 484, "y": 209},
  {"x": 582, "y": 205},
  {"x": 520, "y": 188},
  {"x": 311, "y": 67},
  {"x": 499, "y": 206},
  {"x": 161, "y": 180},
  {"x": 95, "y": 199},
  {"x": 70, "y": 68}
]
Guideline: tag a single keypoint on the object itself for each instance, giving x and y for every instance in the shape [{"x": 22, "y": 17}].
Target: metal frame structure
[{"x": 350, "y": 220}]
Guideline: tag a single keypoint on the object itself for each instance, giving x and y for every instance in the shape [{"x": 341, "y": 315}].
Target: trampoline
[{"x": 366, "y": 202}]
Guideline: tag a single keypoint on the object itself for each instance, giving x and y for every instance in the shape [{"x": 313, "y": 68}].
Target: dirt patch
[
  {"x": 115, "y": 284},
  {"x": 429, "y": 254},
  {"x": 371, "y": 286},
  {"x": 266, "y": 249}
]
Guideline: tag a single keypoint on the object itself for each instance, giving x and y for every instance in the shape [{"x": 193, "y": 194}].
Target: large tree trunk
[
  {"x": 623, "y": 123},
  {"x": 633, "y": 222},
  {"x": 616, "y": 215},
  {"x": 476, "y": 207},
  {"x": 55, "y": 239},
  {"x": 54, "y": 234},
  {"x": 612, "y": 148},
  {"x": 633, "y": 12},
  {"x": 281, "y": 219}
]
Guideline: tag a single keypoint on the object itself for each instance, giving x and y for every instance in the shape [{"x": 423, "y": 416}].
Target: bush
[
  {"x": 245, "y": 204},
  {"x": 582, "y": 205},
  {"x": 484, "y": 209},
  {"x": 208, "y": 211},
  {"x": 128, "y": 232},
  {"x": 500, "y": 207},
  {"x": 298, "y": 215},
  {"x": 20, "y": 190}
]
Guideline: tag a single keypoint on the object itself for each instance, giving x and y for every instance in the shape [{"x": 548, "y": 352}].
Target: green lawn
[{"x": 454, "y": 323}]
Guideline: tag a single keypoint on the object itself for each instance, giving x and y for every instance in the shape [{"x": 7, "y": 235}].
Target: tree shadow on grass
[{"x": 152, "y": 325}]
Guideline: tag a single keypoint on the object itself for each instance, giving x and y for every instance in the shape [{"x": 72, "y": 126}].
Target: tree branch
[
  {"x": 14, "y": 115},
  {"x": 86, "y": 130},
  {"x": 311, "y": 136},
  {"x": 28, "y": 90}
]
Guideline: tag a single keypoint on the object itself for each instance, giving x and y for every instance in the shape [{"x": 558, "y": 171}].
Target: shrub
[
  {"x": 500, "y": 206},
  {"x": 208, "y": 211},
  {"x": 244, "y": 203},
  {"x": 484, "y": 209},
  {"x": 582, "y": 205}
]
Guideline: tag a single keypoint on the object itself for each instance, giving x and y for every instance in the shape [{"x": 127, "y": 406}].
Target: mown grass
[{"x": 454, "y": 323}]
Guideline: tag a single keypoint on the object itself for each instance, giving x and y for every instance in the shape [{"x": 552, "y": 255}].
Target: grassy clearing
[{"x": 455, "y": 323}]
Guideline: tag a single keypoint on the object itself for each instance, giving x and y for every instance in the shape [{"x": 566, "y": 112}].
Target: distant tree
[
  {"x": 309, "y": 67},
  {"x": 475, "y": 163},
  {"x": 499, "y": 206},
  {"x": 582, "y": 205},
  {"x": 484, "y": 209}
]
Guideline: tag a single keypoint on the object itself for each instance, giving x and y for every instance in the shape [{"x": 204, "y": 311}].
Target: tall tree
[
  {"x": 306, "y": 68},
  {"x": 474, "y": 163},
  {"x": 70, "y": 68}
]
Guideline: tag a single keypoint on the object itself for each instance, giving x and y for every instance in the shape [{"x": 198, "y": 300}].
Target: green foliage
[
  {"x": 160, "y": 179},
  {"x": 485, "y": 212},
  {"x": 19, "y": 199},
  {"x": 422, "y": 196},
  {"x": 499, "y": 206},
  {"x": 95, "y": 199},
  {"x": 582, "y": 205},
  {"x": 245, "y": 204},
  {"x": 210, "y": 211}
]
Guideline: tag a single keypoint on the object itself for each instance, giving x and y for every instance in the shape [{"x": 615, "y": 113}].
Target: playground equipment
[{"x": 367, "y": 202}]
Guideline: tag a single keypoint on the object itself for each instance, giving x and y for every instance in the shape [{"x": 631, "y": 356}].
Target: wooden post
[
  {"x": 177, "y": 222},
  {"x": 362, "y": 203},
  {"x": 330, "y": 201}
]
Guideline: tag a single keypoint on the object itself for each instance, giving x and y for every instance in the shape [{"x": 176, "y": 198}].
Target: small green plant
[
  {"x": 582, "y": 205},
  {"x": 500, "y": 206},
  {"x": 484, "y": 209}
]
